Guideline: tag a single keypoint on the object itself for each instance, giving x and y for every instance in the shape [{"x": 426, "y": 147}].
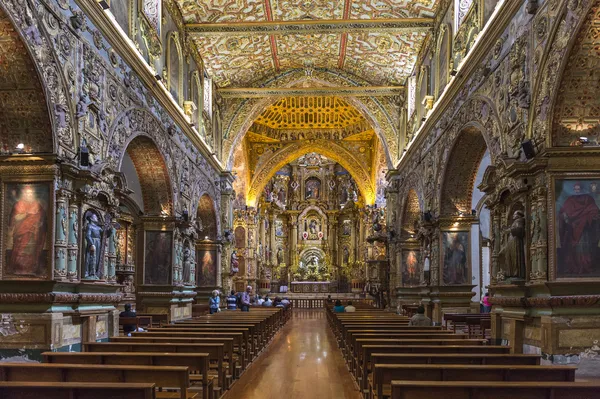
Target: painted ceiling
[{"x": 381, "y": 57}]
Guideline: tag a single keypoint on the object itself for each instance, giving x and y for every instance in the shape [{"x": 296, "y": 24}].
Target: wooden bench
[
  {"x": 137, "y": 321},
  {"x": 162, "y": 377},
  {"x": 215, "y": 352},
  {"x": 383, "y": 374},
  {"x": 436, "y": 352},
  {"x": 229, "y": 359},
  {"x": 197, "y": 363},
  {"x": 75, "y": 390},
  {"x": 494, "y": 390}
]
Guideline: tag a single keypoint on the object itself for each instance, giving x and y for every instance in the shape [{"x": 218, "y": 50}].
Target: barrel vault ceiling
[{"x": 245, "y": 41}]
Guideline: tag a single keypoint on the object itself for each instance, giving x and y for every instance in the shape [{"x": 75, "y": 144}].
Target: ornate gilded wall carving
[{"x": 577, "y": 109}]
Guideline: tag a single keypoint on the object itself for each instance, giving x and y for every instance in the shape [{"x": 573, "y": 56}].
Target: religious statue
[
  {"x": 235, "y": 264},
  {"x": 187, "y": 265},
  {"x": 346, "y": 255},
  {"x": 513, "y": 252},
  {"x": 93, "y": 240},
  {"x": 279, "y": 256},
  {"x": 312, "y": 226}
]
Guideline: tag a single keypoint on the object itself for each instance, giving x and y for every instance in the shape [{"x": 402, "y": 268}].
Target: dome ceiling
[{"x": 243, "y": 41}]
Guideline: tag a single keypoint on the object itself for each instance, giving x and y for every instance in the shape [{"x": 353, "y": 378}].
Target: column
[
  {"x": 273, "y": 242},
  {"x": 60, "y": 237},
  {"x": 72, "y": 242}
]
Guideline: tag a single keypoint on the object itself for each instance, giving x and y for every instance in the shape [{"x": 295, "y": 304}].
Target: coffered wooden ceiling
[{"x": 245, "y": 41}]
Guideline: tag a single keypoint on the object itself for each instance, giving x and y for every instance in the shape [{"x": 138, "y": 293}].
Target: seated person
[
  {"x": 349, "y": 308},
  {"x": 338, "y": 308},
  {"x": 128, "y": 328},
  {"x": 277, "y": 303},
  {"x": 259, "y": 300},
  {"x": 329, "y": 300},
  {"x": 419, "y": 319},
  {"x": 268, "y": 302},
  {"x": 285, "y": 301}
]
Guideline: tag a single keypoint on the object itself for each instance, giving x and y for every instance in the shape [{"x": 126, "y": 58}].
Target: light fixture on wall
[
  {"x": 584, "y": 140},
  {"x": 20, "y": 148}
]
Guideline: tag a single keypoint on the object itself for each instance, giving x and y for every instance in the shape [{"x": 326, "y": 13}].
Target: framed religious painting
[
  {"x": 575, "y": 227},
  {"x": 27, "y": 230},
  {"x": 455, "y": 259},
  {"x": 207, "y": 267},
  {"x": 158, "y": 257},
  {"x": 411, "y": 274}
]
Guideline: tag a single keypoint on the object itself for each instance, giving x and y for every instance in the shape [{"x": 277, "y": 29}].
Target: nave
[{"x": 303, "y": 361}]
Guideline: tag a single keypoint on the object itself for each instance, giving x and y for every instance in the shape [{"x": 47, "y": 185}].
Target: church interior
[{"x": 417, "y": 158}]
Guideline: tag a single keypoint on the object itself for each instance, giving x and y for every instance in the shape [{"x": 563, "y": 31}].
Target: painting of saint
[
  {"x": 410, "y": 268},
  {"x": 455, "y": 246},
  {"x": 346, "y": 228},
  {"x": 578, "y": 228},
  {"x": 279, "y": 231},
  {"x": 313, "y": 226},
  {"x": 207, "y": 275},
  {"x": 26, "y": 253},
  {"x": 157, "y": 262},
  {"x": 313, "y": 188}
]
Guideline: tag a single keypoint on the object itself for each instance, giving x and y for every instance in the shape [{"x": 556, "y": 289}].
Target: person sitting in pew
[
  {"x": 268, "y": 302},
  {"x": 419, "y": 319},
  {"x": 278, "y": 303},
  {"x": 232, "y": 301},
  {"x": 285, "y": 301},
  {"x": 329, "y": 300},
  {"x": 338, "y": 308},
  {"x": 259, "y": 300},
  {"x": 128, "y": 328},
  {"x": 349, "y": 308}
]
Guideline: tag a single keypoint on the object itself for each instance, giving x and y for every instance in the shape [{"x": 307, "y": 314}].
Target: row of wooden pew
[
  {"x": 390, "y": 359},
  {"x": 195, "y": 358}
]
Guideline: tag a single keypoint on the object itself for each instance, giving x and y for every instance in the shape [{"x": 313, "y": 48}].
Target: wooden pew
[
  {"x": 75, "y": 390},
  {"x": 362, "y": 366},
  {"x": 383, "y": 374},
  {"x": 240, "y": 347},
  {"x": 494, "y": 390},
  {"x": 215, "y": 351},
  {"x": 166, "y": 376},
  {"x": 197, "y": 363},
  {"x": 227, "y": 342},
  {"x": 358, "y": 356}
]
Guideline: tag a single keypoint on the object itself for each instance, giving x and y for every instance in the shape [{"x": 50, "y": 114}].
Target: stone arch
[
  {"x": 553, "y": 63},
  {"x": 372, "y": 108},
  {"x": 411, "y": 214},
  {"x": 312, "y": 208},
  {"x": 460, "y": 172},
  {"x": 58, "y": 109},
  {"x": 153, "y": 175},
  {"x": 207, "y": 214},
  {"x": 327, "y": 148}
]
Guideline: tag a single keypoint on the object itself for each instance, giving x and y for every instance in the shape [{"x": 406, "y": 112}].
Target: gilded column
[
  {"x": 60, "y": 237},
  {"x": 72, "y": 242},
  {"x": 273, "y": 242},
  {"x": 294, "y": 239}
]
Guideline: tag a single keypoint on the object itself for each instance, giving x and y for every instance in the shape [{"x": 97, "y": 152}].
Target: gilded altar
[{"x": 307, "y": 287}]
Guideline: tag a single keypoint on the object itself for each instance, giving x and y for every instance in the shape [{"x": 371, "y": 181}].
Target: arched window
[
  {"x": 196, "y": 97},
  {"x": 174, "y": 63}
]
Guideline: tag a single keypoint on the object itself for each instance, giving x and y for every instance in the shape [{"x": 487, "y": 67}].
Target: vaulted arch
[
  {"x": 153, "y": 176},
  {"x": 327, "y": 148}
]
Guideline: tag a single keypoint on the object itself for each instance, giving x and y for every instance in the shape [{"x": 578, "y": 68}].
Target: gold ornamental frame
[{"x": 458, "y": 229}]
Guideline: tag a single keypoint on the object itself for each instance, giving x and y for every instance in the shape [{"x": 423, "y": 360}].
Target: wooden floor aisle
[{"x": 303, "y": 361}]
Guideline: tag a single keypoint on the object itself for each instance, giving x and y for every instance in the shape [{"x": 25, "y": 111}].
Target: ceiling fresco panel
[
  {"x": 298, "y": 51},
  {"x": 289, "y": 10},
  {"x": 379, "y": 9},
  {"x": 216, "y": 11},
  {"x": 236, "y": 60},
  {"x": 383, "y": 58}
]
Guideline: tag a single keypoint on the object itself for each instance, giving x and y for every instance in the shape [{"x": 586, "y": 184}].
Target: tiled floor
[{"x": 303, "y": 361}]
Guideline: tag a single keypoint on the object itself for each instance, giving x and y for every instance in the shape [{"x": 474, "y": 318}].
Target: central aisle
[{"x": 303, "y": 361}]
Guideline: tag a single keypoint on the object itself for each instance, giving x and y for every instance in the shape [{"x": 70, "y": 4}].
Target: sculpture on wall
[
  {"x": 279, "y": 256},
  {"x": 187, "y": 265},
  {"x": 513, "y": 252},
  {"x": 235, "y": 264},
  {"x": 93, "y": 245}
]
